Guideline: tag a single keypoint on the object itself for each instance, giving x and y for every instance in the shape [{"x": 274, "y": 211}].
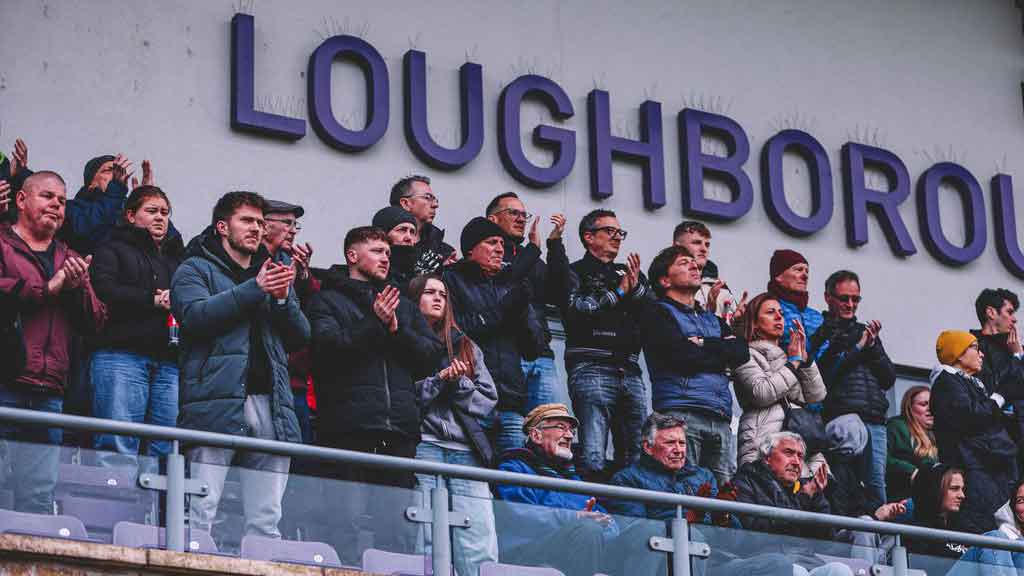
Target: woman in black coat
[
  {"x": 969, "y": 430},
  {"x": 135, "y": 367}
]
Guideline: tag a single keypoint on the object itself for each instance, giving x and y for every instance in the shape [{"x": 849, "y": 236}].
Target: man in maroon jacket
[{"x": 45, "y": 286}]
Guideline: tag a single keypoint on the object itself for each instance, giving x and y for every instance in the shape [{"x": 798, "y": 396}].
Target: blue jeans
[
  {"x": 508, "y": 433},
  {"x": 478, "y": 543},
  {"x": 708, "y": 443},
  {"x": 132, "y": 388},
  {"x": 606, "y": 396},
  {"x": 873, "y": 465},
  {"x": 541, "y": 380},
  {"x": 30, "y": 455}
]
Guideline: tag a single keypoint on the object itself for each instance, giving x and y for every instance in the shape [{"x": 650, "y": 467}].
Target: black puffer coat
[
  {"x": 496, "y": 314},
  {"x": 126, "y": 271},
  {"x": 755, "y": 484},
  {"x": 365, "y": 377},
  {"x": 856, "y": 379}
]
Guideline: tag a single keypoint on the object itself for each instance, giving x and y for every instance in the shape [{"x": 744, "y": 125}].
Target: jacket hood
[
  {"x": 172, "y": 244},
  {"x": 1006, "y": 521},
  {"x": 208, "y": 245},
  {"x": 848, "y": 435},
  {"x": 336, "y": 278}
]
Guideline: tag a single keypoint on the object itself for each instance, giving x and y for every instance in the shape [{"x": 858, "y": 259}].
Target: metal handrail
[{"x": 198, "y": 437}]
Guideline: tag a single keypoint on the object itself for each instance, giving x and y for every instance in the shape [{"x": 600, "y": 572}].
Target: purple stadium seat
[
  {"x": 66, "y": 527},
  {"x": 392, "y": 563},
  {"x": 290, "y": 551},
  {"x": 135, "y": 535},
  {"x": 496, "y": 569}
]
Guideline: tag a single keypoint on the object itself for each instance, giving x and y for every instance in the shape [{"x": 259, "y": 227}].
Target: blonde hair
[{"x": 921, "y": 439}]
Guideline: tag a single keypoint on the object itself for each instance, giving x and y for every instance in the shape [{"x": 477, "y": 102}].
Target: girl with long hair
[{"x": 456, "y": 402}]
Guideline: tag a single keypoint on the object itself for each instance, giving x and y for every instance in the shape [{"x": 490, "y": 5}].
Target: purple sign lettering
[
  {"x": 975, "y": 227},
  {"x": 244, "y": 115},
  {"x": 773, "y": 186},
  {"x": 884, "y": 205},
  {"x": 697, "y": 166},
  {"x": 561, "y": 142},
  {"x": 648, "y": 150},
  {"x": 1007, "y": 245},
  {"x": 471, "y": 104}
]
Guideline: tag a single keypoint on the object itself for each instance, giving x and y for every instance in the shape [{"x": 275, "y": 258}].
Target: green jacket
[{"x": 901, "y": 461}]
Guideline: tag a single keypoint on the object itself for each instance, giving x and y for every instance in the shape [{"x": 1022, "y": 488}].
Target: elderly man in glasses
[
  {"x": 601, "y": 303},
  {"x": 857, "y": 373},
  {"x": 543, "y": 527},
  {"x": 522, "y": 259},
  {"x": 414, "y": 195}
]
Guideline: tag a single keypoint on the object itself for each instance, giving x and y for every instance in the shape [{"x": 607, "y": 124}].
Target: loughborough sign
[{"x": 859, "y": 199}]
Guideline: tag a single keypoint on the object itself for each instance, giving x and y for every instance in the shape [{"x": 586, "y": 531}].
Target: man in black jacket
[
  {"x": 509, "y": 213},
  {"x": 999, "y": 341},
  {"x": 857, "y": 373},
  {"x": 600, "y": 307},
  {"x": 774, "y": 480},
  {"x": 493, "y": 308},
  {"x": 370, "y": 345}
]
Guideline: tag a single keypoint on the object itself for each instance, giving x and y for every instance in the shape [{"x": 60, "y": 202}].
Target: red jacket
[{"x": 46, "y": 321}]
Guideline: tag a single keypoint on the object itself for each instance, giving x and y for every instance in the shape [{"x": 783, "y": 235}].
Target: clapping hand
[
  {"x": 455, "y": 371},
  {"x": 558, "y": 220},
  {"x": 123, "y": 170},
  {"x": 301, "y": 255},
  {"x": 5, "y": 195},
  {"x": 162, "y": 299},
  {"x": 797, "y": 341},
  {"x": 19, "y": 159},
  {"x": 818, "y": 483},
  {"x": 870, "y": 335},
  {"x": 73, "y": 273},
  {"x": 275, "y": 279},
  {"x": 147, "y": 176},
  {"x": 632, "y": 276},
  {"x": 385, "y": 306}
]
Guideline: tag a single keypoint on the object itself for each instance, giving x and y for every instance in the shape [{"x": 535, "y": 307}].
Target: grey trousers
[{"x": 264, "y": 477}]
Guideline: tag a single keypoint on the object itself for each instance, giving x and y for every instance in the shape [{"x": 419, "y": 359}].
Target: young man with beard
[
  {"x": 370, "y": 346},
  {"x": 857, "y": 372},
  {"x": 999, "y": 341},
  {"x": 46, "y": 285},
  {"x": 239, "y": 319},
  {"x": 494, "y": 310},
  {"x": 509, "y": 213}
]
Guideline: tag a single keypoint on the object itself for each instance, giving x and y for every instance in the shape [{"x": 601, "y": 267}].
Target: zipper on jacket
[{"x": 387, "y": 396}]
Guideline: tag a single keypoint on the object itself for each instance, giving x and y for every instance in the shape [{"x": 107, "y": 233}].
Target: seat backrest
[
  {"x": 294, "y": 551},
  {"x": 381, "y": 562},
  {"x": 496, "y": 569},
  {"x": 98, "y": 476},
  {"x": 134, "y": 535},
  {"x": 42, "y": 525}
]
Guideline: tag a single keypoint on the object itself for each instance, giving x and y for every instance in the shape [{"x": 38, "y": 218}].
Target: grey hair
[
  {"x": 769, "y": 443},
  {"x": 657, "y": 422}
]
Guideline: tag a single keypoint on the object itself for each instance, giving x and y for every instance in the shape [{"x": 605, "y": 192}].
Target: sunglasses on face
[{"x": 847, "y": 298}]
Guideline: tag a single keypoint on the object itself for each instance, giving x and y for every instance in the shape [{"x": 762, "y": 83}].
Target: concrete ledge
[{"x": 36, "y": 556}]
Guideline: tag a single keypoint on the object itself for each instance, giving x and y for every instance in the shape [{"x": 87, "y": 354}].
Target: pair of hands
[
  {"x": 385, "y": 306},
  {"x": 162, "y": 299},
  {"x": 588, "y": 513},
  {"x": 455, "y": 371},
  {"x": 275, "y": 279},
  {"x": 797, "y": 341},
  {"x": 558, "y": 221},
  {"x": 817, "y": 483},
  {"x": 870, "y": 336},
  {"x": 631, "y": 278},
  {"x": 301, "y": 255},
  {"x": 19, "y": 160},
  {"x": 72, "y": 275}
]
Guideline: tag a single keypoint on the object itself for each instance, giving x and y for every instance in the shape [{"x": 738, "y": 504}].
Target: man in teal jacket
[{"x": 239, "y": 320}]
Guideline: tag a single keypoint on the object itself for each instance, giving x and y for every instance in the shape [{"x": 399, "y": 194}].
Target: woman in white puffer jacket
[{"x": 770, "y": 375}]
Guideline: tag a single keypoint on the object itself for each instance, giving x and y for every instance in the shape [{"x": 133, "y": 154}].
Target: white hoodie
[{"x": 1007, "y": 522}]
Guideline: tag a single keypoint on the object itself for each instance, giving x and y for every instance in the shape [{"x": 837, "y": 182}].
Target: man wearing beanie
[
  {"x": 403, "y": 235},
  {"x": 96, "y": 208},
  {"x": 969, "y": 429},
  {"x": 789, "y": 272},
  {"x": 571, "y": 540},
  {"x": 522, "y": 257},
  {"x": 494, "y": 310}
]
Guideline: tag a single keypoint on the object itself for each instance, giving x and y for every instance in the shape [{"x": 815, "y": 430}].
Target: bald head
[{"x": 41, "y": 204}]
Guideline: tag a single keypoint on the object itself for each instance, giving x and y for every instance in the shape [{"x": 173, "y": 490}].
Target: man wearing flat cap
[
  {"x": 572, "y": 536},
  {"x": 494, "y": 310}
]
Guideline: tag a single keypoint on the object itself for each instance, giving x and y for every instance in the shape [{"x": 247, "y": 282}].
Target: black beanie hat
[
  {"x": 93, "y": 166},
  {"x": 477, "y": 230},
  {"x": 391, "y": 216}
]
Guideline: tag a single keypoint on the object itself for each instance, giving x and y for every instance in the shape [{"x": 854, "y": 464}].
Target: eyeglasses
[
  {"x": 611, "y": 231},
  {"x": 430, "y": 198},
  {"x": 848, "y": 298},
  {"x": 561, "y": 427},
  {"x": 516, "y": 214},
  {"x": 290, "y": 224}
]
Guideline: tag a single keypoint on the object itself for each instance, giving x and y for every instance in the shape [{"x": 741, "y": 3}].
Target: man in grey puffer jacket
[{"x": 239, "y": 319}]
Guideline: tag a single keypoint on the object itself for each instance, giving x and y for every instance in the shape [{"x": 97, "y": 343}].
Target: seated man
[
  {"x": 774, "y": 480},
  {"x": 534, "y": 536}
]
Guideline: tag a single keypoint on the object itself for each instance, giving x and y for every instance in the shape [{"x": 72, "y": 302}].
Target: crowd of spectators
[{"x": 412, "y": 348}]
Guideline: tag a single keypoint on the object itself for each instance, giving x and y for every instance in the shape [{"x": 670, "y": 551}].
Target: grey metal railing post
[
  {"x": 900, "y": 565},
  {"x": 680, "y": 544},
  {"x": 442, "y": 537},
  {"x": 175, "y": 513}
]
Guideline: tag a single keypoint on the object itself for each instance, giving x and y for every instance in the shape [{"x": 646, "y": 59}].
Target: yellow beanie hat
[{"x": 952, "y": 344}]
